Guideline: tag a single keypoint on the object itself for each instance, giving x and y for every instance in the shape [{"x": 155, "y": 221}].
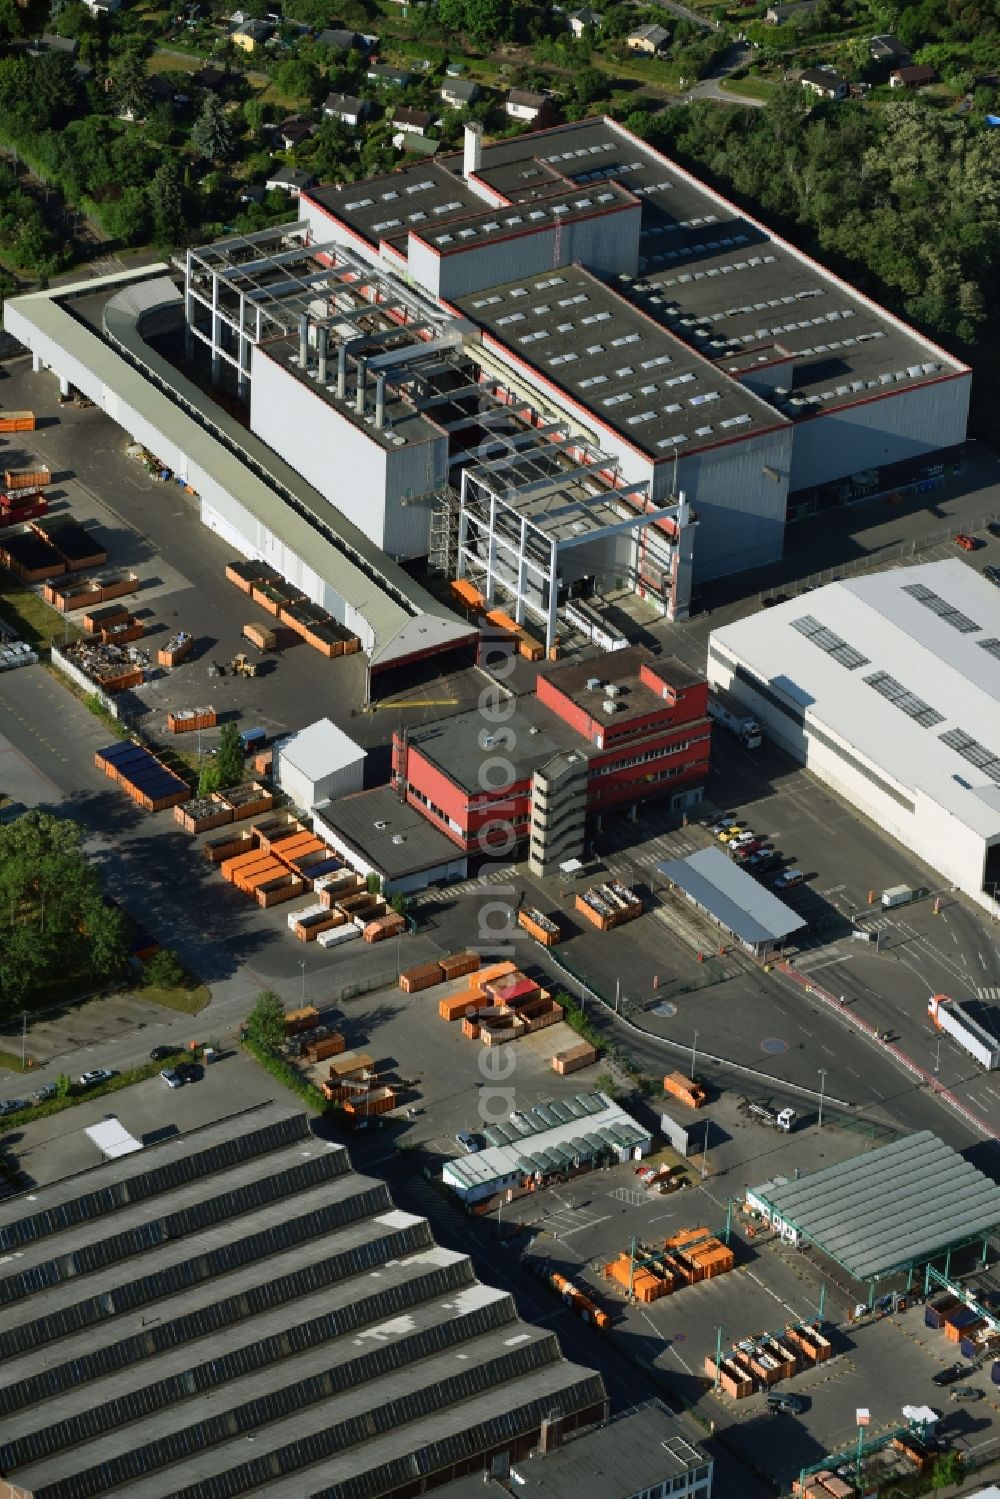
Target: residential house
[
  {"x": 346, "y": 108},
  {"x": 886, "y": 49},
  {"x": 457, "y": 92},
  {"x": 524, "y": 105},
  {"x": 647, "y": 39},
  {"x": 825, "y": 83},
  {"x": 291, "y": 180},
  {"x": 584, "y": 20},
  {"x": 102, "y": 7},
  {"x": 915, "y": 77},
  {"x": 337, "y": 40},
  {"x": 412, "y": 121},
  {"x": 251, "y": 34},
  {"x": 777, "y": 15},
  {"x": 293, "y": 131},
  {"x": 383, "y": 73}
]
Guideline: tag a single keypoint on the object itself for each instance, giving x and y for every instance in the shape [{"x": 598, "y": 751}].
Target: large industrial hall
[
  {"x": 556, "y": 366},
  {"x": 234, "y": 1311},
  {"x": 887, "y": 686}
]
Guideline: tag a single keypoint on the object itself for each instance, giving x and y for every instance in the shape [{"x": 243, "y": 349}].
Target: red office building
[{"x": 595, "y": 736}]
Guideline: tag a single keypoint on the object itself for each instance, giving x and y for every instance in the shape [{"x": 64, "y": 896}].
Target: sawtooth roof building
[
  {"x": 234, "y": 1311},
  {"x": 888, "y": 687},
  {"x": 549, "y": 365}
]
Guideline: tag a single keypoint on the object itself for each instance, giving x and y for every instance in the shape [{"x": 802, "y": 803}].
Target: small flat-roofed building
[
  {"x": 887, "y": 1212},
  {"x": 543, "y": 1144},
  {"x": 737, "y": 902},
  {"x": 376, "y": 832},
  {"x": 647, "y": 1453},
  {"x": 888, "y": 688},
  {"x": 318, "y": 764}
]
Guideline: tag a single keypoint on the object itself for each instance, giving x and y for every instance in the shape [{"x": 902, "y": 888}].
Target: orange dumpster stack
[
  {"x": 457, "y": 964},
  {"x": 457, "y": 1006}
]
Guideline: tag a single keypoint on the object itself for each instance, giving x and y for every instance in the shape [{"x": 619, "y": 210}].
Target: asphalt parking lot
[{"x": 56, "y": 1146}]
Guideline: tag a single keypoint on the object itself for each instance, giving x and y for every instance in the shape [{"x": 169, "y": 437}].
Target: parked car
[
  {"x": 742, "y": 852},
  {"x": 189, "y": 1072},
  {"x": 728, "y": 835},
  {"x": 992, "y": 574},
  {"x": 948, "y": 1375},
  {"x": 965, "y": 1392},
  {"x": 788, "y": 878},
  {"x": 11, "y": 1105},
  {"x": 98, "y": 1075},
  {"x": 775, "y": 598},
  {"x": 967, "y": 543},
  {"x": 172, "y": 1078},
  {"x": 994, "y": 528},
  {"x": 161, "y": 1053},
  {"x": 45, "y": 1092},
  {"x": 722, "y": 824},
  {"x": 785, "y": 1401},
  {"x": 744, "y": 839},
  {"x": 468, "y": 1142}
]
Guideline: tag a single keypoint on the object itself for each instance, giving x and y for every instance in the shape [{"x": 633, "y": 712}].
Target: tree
[
  {"x": 230, "y": 758},
  {"x": 210, "y": 780},
  {"x": 166, "y": 203},
  {"x": 300, "y": 79},
  {"x": 164, "y": 969},
  {"x": 64, "y": 1085},
  {"x": 56, "y": 924},
  {"x": 373, "y": 884},
  {"x": 399, "y": 903},
  {"x": 253, "y": 114},
  {"x": 266, "y": 1021},
  {"x": 947, "y": 1470},
  {"x": 211, "y": 135},
  {"x": 130, "y": 85}
]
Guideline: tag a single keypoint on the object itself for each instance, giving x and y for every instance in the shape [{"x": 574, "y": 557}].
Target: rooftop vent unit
[
  {"x": 593, "y": 683},
  {"x": 610, "y": 706},
  {"x": 381, "y": 826},
  {"x": 615, "y": 689},
  {"x": 398, "y": 838}
]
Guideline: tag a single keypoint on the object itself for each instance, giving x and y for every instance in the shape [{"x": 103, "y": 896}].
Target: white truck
[
  {"x": 952, "y": 1017},
  {"x": 724, "y": 709}
]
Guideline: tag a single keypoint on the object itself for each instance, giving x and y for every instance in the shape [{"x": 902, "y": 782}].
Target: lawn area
[
  {"x": 169, "y": 62},
  {"x": 751, "y": 88},
  {"x": 36, "y": 621},
  {"x": 190, "y": 998}
]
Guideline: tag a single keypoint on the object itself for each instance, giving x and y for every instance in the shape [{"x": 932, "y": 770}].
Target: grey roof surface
[
  {"x": 319, "y": 749},
  {"x": 639, "y": 379},
  {"x": 624, "y": 1456},
  {"x": 578, "y": 1128},
  {"x": 239, "y": 1284},
  {"x": 354, "y": 819},
  {"x": 403, "y": 616},
  {"x": 900, "y": 1203},
  {"x": 732, "y": 896},
  {"x": 453, "y": 744}
]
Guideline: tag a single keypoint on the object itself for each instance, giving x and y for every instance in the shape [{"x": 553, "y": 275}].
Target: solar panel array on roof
[
  {"x": 977, "y": 754},
  {"x": 827, "y": 641},
  {"x": 907, "y": 702},
  {"x": 939, "y": 606}
]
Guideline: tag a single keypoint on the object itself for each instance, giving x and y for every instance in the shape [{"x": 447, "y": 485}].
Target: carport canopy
[
  {"x": 895, "y": 1207},
  {"x": 734, "y": 898}
]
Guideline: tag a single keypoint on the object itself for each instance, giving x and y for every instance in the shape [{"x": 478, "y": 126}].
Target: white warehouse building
[{"x": 888, "y": 687}]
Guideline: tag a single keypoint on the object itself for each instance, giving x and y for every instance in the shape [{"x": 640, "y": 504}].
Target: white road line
[{"x": 581, "y": 1227}]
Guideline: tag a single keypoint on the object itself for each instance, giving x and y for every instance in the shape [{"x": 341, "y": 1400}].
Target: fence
[
  {"x": 894, "y": 1051},
  {"x": 902, "y": 552},
  {"x": 90, "y": 687},
  {"x": 364, "y": 986}
]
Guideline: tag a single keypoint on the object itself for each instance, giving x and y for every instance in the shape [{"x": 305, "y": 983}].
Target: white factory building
[
  {"x": 887, "y": 686},
  {"x": 552, "y": 365}
]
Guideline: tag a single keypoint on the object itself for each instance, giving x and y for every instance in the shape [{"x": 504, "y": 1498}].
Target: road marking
[
  {"x": 579, "y": 1229},
  {"x": 983, "y": 961}
]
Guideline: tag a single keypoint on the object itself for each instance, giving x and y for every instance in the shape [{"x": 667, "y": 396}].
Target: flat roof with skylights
[{"x": 637, "y": 378}]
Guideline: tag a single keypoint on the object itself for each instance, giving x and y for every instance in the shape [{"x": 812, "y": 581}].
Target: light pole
[
  {"x": 937, "y": 1058},
  {"x": 694, "y": 1054},
  {"x": 24, "y": 1035},
  {"x": 302, "y": 966},
  {"x": 822, "y": 1090},
  {"x": 704, "y": 1153}
]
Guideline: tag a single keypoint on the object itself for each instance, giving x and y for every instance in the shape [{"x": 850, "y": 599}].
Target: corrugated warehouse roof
[
  {"x": 902, "y": 1203},
  {"x": 902, "y": 666},
  {"x": 732, "y": 896}
]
